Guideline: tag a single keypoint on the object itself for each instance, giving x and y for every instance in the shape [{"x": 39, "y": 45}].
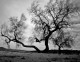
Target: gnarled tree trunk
[{"x": 46, "y": 42}]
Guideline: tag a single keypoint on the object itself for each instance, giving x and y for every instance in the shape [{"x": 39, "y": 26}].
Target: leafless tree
[
  {"x": 55, "y": 16},
  {"x": 14, "y": 32}
]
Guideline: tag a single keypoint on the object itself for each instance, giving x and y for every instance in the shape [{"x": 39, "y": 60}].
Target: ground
[{"x": 7, "y": 56}]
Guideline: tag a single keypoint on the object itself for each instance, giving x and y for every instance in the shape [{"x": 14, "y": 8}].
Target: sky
[{"x": 9, "y": 8}]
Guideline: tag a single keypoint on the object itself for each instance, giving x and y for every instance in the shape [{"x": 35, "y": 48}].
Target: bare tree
[
  {"x": 55, "y": 16},
  {"x": 14, "y": 32}
]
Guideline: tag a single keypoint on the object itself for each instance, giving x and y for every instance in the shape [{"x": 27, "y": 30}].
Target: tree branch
[
  {"x": 30, "y": 46},
  {"x": 6, "y": 37}
]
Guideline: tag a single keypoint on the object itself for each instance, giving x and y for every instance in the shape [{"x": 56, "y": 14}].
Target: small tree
[
  {"x": 55, "y": 16},
  {"x": 63, "y": 39},
  {"x": 14, "y": 32}
]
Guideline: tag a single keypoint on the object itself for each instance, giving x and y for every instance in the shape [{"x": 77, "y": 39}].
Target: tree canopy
[{"x": 55, "y": 16}]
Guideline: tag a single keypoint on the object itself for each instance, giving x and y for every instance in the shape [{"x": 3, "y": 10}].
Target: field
[{"x": 8, "y": 56}]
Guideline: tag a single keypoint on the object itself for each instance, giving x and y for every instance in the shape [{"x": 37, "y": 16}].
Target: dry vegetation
[{"x": 7, "y": 56}]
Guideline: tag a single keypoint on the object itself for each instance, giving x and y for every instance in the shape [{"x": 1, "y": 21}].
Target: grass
[{"x": 33, "y": 56}]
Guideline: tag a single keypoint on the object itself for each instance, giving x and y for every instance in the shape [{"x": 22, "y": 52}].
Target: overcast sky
[{"x": 10, "y": 8}]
